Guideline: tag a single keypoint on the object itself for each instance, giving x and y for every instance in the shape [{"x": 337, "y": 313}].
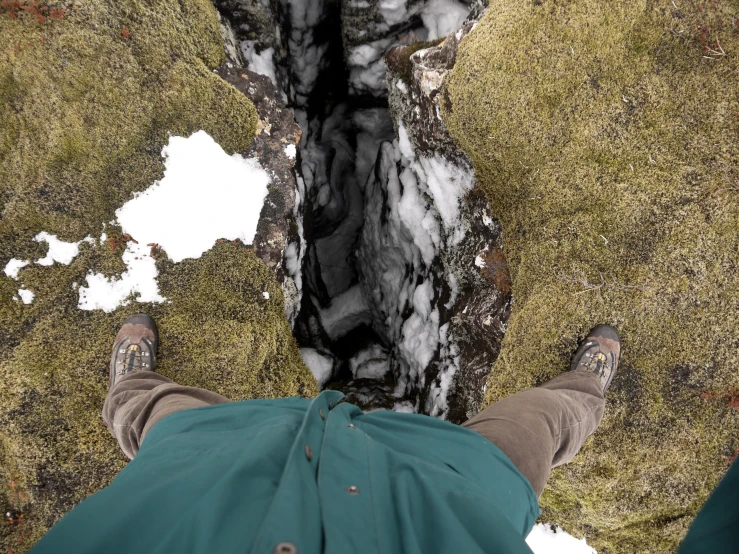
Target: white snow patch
[
  {"x": 14, "y": 266},
  {"x": 400, "y": 85},
  {"x": 544, "y": 540},
  {"x": 290, "y": 151},
  {"x": 205, "y": 195},
  {"x": 443, "y": 17},
  {"x": 140, "y": 277},
  {"x": 26, "y": 295},
  {"x": 320, "y": 366},
  {"x": 261, "y": 63},
  {"x": 59, "y": 251},
  {"x": 265, "y": 294}
]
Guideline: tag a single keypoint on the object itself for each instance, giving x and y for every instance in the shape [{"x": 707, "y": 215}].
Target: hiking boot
[
  {"x": 135, "y": 347},
  {"x": 599, "y": 353}
]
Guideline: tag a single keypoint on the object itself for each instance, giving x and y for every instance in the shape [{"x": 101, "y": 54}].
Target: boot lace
[{"x": 132, "y": 358}]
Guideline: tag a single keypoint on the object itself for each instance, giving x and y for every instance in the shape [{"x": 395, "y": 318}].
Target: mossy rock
[
  {"x": 87, "y": 101},
  {"x": 606, "y": 137}
]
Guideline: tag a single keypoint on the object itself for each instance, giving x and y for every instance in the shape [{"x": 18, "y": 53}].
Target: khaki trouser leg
[
  {"x": 141, "y": 398},
  {"x": 544, "y": 427}
]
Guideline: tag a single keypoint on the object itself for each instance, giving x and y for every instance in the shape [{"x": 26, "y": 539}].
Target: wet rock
[{"x": 278, "y": 241}]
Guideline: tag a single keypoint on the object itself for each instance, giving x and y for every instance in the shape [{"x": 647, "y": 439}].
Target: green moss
[
  {"x": 84, "y": 114},
  {"x": 606, "y": 143}
]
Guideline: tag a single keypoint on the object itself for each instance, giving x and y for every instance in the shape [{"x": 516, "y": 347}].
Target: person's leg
[
  {"x": 541, "y": 428},
  {"x": 544, "y": 427},
  {"x": 140, "y": 399}
]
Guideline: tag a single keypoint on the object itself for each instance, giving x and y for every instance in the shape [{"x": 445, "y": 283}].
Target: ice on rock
[
  {"x": 443, "y": 17},
  {"x": 404, "y": 407},
  {"x": 448, "y": 183},
  {"x": 370, "y": 363},
  {"x": 261, "y": 63},
  {"x": 393, "y": 11},
  {"x": 320, "y": 365},
  {"x": 347, "y": 311},
  {"x": 436, "y": 402},
  {"x": 412, "y": 213},
  {"x": 420, "y": 338},
  {"x": 367, "y": 70}
]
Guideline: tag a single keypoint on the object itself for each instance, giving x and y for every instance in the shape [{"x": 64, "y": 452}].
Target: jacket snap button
[
  {"x": 285, "y": 548},
  {"x": 352, "y": 490},
  {"x": 323, "y": 416},
  {"x": 308, "y": 453},
  {"x": 351, "y": 426}
]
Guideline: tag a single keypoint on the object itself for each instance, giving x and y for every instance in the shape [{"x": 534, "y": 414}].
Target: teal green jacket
[
  {"x": 715, "y": 529},
  {"x": 320, "y": 475}
]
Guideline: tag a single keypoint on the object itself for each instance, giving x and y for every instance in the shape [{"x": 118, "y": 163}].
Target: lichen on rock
[{"x": 605, "y": 138}]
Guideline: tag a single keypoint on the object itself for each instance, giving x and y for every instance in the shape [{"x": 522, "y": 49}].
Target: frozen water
[
  {"x": 370, "y": 363},
  {"x": 347, "y": 311},
  {"x": 261, "y": 63},
  {"x": 443, "y": 17}
]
